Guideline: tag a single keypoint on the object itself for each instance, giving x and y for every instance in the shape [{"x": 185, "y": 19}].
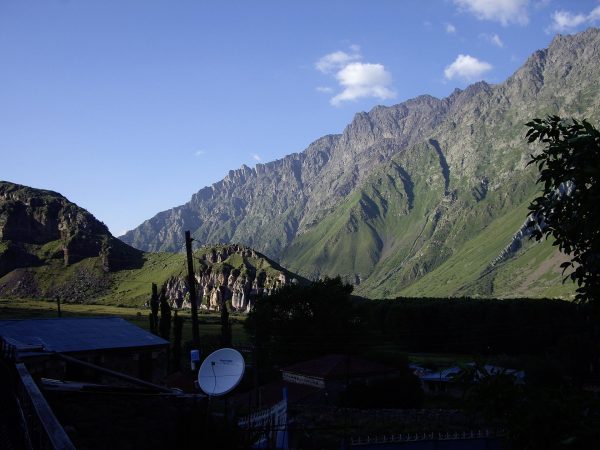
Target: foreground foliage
[
  {"x": 301, "y": 321},
  {"x": 568, "y": 208},
  {"x": 545, "y": 412}
]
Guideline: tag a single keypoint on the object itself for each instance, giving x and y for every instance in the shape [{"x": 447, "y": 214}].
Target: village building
[
  {"x": 307, "y": 384},
  {"x": 444, "y": 381},
  {"x": 109, "y": 342},
  {"x": 92, "y": 383},
  {"x": 335, "y": 372}
]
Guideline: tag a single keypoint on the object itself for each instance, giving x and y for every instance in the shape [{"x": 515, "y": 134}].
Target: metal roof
[{"x": 76, "y": 334}]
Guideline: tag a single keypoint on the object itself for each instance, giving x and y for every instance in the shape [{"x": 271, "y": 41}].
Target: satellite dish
[{"x": 221, "y": 371}]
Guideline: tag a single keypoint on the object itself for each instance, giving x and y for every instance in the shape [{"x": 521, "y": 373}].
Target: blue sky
[{"x": 129, "y": 107}]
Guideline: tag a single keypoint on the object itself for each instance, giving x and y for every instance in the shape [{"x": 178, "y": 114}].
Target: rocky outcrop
[
  {"x": 38, "y": 225},
  {"x": 516, "y": 243},
  {"x": 231, "y": 274},
  {"x": 526, "y": 230}
]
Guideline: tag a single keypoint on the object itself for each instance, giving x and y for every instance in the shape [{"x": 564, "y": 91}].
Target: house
[
  {"x": 443, "y": 381},
  {"x": 110, "y": 342},
  {"x": 335, "y": 372},
  {"x": 315, "y": 382},
  {"x": 91, "y": 383}
]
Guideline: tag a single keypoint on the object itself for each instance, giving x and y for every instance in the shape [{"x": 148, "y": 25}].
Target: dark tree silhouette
[
  {"x": 568, "y": 209},
  {"x": 301, "y": 321},
  {"x": 154, "y": 310},
  {"x": 164, "y": 325},
  {"x": 177, "y": 333},
  {"x": 225, "y": 326}
]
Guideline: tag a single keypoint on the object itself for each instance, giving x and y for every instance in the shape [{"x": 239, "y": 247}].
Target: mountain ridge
[{"x": 476, "y": 136}]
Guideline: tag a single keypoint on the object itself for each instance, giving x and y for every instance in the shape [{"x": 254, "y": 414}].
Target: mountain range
[
  {"x": 50, "y": 247},
  {"x": 426, "y": 197}
]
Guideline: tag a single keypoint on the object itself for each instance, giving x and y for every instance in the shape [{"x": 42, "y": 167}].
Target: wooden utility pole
[
  {"x": 225, "y": 326},
  {"x": 192, "y": 288}
]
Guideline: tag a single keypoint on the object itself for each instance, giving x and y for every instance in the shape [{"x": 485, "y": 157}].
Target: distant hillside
[
  {"x": 51, "y": 247},
  {"x": 421, "y": 198},
  {"x": 38, "y": 225},
  {"x": 42, "y": 229}
]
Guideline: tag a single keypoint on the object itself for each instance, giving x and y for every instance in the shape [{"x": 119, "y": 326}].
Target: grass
[
  {"x": 363, "y": 229},
  {"x": 401, "y": 235},
  {"x": 465, "y": 267},
  {"x": 535, "y": 270},
  {"x": 30, "y": 308},
  {"x": 129, "y": 287},
  {"x": 133, "y": 287}
]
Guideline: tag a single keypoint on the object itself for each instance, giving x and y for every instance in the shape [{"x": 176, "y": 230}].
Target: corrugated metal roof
[{"x": 77, "y": 334}]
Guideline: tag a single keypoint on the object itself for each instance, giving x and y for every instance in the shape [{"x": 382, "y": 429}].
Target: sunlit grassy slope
[
  {"x": 414, "y": 230},
  {"x": 533, "y": 271},
  {"x": 131, "y": 287}
]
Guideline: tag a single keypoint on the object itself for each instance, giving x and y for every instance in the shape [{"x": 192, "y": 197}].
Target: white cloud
[
  {"x": 497, "y": 41},
  {"x": 355, "y": 78},
  {"x": 199, "y": 152},
  {"x": 256, "y": 157},
  {"x": 450, "y": 29},
  {"x": 333, "y": 62},
  {"x": 566, "y": 21},
  {"x": 467, "y": 67},
  {"x": 493, "y": 39},
  {"x": 362, "y": 80},
  {"x": 324, "y": 89},
  {"x": 503, "y": 11}
]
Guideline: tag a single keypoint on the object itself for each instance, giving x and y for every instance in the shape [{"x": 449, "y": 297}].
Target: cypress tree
[
  {"x": 164, "y": 325},
  {"x": 154, "y": 310}
]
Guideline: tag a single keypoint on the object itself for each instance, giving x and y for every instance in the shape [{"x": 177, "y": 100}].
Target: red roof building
[{"x": 334, "y": 372}]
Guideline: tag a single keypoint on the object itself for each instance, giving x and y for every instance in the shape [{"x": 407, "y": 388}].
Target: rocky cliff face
[
  {"x": 404, "y": 188},
  {"x": 39, "y": 227},
  {"x": 34, "y": 221},
  {"x": 33, "y": 217},
  {"x": 231, "y": 274}
]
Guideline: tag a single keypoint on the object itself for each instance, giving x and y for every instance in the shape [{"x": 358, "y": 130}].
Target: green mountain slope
[{"x": 424, "y": 189}]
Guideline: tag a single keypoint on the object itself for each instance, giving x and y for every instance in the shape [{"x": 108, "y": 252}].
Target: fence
[
  {"x": 44, "y": 431},
  {"x": 40, "y": 428},
  {"x": 414, "y": 437}
]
